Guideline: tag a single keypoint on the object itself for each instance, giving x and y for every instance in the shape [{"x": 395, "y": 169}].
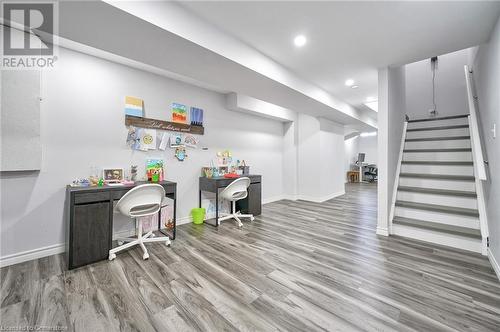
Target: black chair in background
[{"x": 371, "y": 173}]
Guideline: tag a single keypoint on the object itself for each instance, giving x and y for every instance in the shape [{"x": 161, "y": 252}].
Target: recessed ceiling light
[
  {"x": 370, "y": 99},
  {"x": 354, "y": 87},
  {"x": 349, "y": 82},
  {"x": 300, "y": 40}
]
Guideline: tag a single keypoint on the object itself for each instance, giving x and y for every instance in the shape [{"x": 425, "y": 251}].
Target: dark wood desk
[
  {"x": 89, "y": 216},
  {"x": 252, "y": 204}
]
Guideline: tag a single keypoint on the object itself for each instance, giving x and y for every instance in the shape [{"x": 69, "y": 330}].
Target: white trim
[
  {"x": 278, "y": 198},
  {"x": 494, "y": 263},
  {"x": 319, "y": 199},
  {"x": 396, "y": 180},
  {"x": 382, "y": 231},
  {"x": 182, "y": 221},
  {"x": 32, "y": 254}
]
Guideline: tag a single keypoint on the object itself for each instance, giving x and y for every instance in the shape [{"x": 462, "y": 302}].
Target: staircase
[{"x": 436, "y": 197}]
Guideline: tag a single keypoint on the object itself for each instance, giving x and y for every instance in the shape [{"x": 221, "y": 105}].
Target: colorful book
[
  {"x": 179, "y": 113},
  {"x": 134, "y": 106},
  {"x": 196, "y": 116}
]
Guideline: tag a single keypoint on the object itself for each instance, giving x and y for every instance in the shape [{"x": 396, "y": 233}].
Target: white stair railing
[{"x": 478, "y": 159}]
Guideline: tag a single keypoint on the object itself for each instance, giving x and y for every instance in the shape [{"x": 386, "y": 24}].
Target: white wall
[
  {"x": 486, "y": 74},
  {"x": 290, "y": 159},
  {"x": 321, "y": 159},
  {"x": 451, "y": 97},
  {"x": 82, "y": 125},
  {"x": 391, "y": 115},
  {"x": 351, "y": 150},
  {"x": 331, "y": 159},
  {"x": 368, "y": 146}
]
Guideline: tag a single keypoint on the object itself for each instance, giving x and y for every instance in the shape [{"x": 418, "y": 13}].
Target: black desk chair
[{"x": 371, "y": 173}]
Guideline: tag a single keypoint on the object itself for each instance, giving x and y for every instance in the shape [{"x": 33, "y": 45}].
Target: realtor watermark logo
[{"x": 23, "y": 25}]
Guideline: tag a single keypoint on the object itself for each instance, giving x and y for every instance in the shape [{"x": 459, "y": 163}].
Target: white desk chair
[
  {"x": 141, "y": 201},
  {"x": 234, "y": 192}
]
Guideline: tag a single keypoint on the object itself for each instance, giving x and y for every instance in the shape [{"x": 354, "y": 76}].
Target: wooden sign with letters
[{"x": 163, "y": 125}]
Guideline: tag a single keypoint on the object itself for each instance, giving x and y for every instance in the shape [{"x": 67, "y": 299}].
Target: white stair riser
[
  {"x": 437, "y": 156},
  {"x": 446, "y": 200},
  {"x": 438, "y": 169},
  {"x": 438, "y": 217},
  {"x": 437, "y": 184},
  {"x": 438, "y": 123},
  {"x": 438, "y": 133},
  {"x": 450, "y": 240},
  {"x": 450, "y": 144}
]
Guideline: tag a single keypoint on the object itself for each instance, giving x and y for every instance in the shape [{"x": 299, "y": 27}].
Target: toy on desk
[
  {"x": 231, "y": 176},
  {"x": 94, "y": 180},
  {"x": 101, "y": 182},
  {"x": 133, "y": 172},
  {"x": 80, "y": 183}
]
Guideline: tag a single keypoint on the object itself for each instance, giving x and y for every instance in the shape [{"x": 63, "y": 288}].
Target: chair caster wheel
[
  {"x": 120, "y": 243},
  {"x": 145, "y": 256},
  {"x": 153, "y": 234},
  {"x": 252, "y": 218},
  {"x": 112, "y": 256},
  {"x": 167, "y": 243}
]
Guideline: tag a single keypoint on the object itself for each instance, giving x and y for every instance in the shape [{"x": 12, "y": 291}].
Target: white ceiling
[{"x": 351, "y": 39}]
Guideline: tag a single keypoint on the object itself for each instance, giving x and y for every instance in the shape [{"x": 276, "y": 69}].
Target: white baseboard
[
  {"x": 183, "y": 220},
  {"x": 32, "y": 254},
  {"x": 494, "y": 263},
  {"x": 320, "y": 199},
  {"x": 278, "y": 198},
  {"x": 382, "y": 231}
]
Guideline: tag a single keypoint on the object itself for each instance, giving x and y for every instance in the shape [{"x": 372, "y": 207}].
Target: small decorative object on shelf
[
  {"x": 80, "y": 183},
  {"x": 112, "y": 175},
  {"x": 224, "y": 165},
  {"x": 133, "y": 172},
  {"x": 196, "y": 116},
  {"x": 179, "y": 114}
]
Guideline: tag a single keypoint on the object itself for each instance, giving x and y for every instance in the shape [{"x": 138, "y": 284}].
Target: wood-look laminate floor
[{"x": 300, "y": 266}]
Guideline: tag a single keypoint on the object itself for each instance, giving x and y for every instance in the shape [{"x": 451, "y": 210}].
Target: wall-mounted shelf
[{"x": 163, "y": 125}]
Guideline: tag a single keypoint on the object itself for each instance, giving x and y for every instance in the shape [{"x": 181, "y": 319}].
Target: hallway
[{"x": 300, "y": 266}]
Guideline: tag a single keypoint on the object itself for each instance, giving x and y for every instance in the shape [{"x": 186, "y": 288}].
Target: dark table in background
[{"x": 252, "y": 204}]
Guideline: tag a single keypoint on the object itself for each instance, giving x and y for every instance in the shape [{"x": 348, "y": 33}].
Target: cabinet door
[
  {"x": 91, "y": 233},
  {"x": 253, "y": 203},
  {"x": 255, "y": 199}
]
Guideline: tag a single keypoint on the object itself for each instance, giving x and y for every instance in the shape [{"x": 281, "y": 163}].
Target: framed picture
[
  {"x": 112, "y": 174},
  {"x": 179, "y": 113}
]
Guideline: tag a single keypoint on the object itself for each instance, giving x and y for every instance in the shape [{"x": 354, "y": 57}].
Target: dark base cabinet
[
  {"x": 253, "y": 203},
  {"x": 91, "y": 233}
]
